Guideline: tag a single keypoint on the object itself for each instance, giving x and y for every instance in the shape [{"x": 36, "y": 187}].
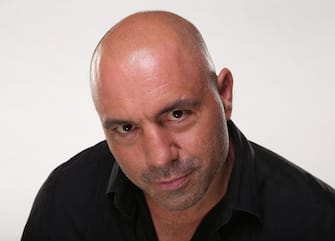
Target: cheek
[
  {"x": 198, "y": 141},
  {"x": 207, "y": 136}
]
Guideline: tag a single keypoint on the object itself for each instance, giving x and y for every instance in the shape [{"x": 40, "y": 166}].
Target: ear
[{"x": 225, "y": 88}]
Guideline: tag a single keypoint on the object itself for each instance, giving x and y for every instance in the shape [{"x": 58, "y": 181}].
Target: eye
[
  {"x": 124, "y": 128},
  {"x": 177, "y": 115}
]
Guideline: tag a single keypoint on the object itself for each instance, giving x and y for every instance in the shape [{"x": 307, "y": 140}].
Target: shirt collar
[
  {"x": 241, "y": 194},
  {"x": 122, "y": 191},
  {"x": 242, "y": 184}
]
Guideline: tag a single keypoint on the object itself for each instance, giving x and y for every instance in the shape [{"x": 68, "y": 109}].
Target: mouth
[{"x": 174, "y": 183}]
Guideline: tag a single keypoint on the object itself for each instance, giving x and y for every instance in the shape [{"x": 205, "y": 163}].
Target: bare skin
[{"x": 164, "y": 112}]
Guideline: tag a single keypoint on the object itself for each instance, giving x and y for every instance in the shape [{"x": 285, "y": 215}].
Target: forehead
[{"x": 146, "y": 79}]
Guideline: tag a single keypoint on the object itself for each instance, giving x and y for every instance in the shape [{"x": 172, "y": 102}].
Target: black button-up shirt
[{"x": 268, "y": 198}]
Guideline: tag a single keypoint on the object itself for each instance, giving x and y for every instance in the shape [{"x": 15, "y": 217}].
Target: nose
[{"x": 159, "y": 147}]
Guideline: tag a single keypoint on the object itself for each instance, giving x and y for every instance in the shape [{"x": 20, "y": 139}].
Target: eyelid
[
  {"x": 115, "y": 126},
  {"x": 180, "y": 105},
  {"x": 119, "y": 128},
  {"x": 185, "y": 113},
  {"x": 111, "y": 123}
]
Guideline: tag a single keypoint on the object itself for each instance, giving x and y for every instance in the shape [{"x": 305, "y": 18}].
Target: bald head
[{"x": 155, "y": 30}]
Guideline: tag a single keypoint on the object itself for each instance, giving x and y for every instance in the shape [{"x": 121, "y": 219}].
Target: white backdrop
[{"x": 281, "y": 53}]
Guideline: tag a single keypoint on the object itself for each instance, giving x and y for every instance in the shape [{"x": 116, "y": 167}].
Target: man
[{"x": 174, "y": 166}]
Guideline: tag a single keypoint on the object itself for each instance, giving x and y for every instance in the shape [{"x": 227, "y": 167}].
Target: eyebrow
[
  {"x": 108, "y": 123},
  {"x": 181, "y": 103}
]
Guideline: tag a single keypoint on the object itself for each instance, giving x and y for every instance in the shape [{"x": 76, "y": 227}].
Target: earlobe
[{"x": 225, "y": 88}]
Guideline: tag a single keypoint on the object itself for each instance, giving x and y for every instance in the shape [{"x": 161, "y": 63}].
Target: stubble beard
[{"x": 192, "y": 192}]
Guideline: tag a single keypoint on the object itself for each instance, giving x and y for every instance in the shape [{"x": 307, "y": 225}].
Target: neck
[{"x": 181, "y": 225}]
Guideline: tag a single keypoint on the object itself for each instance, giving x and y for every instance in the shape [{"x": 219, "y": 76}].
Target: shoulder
[
  {"x": 292, "y": 197},
  {"x": 69, "y": 200},
  {"x": 91, "y": 162},
  {"x": 273, "y": 169},
  {"x": 82, "y": 177}
]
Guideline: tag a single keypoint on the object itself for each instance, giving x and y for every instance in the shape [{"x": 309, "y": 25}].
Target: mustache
[{"x": 175, "y": 168}]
